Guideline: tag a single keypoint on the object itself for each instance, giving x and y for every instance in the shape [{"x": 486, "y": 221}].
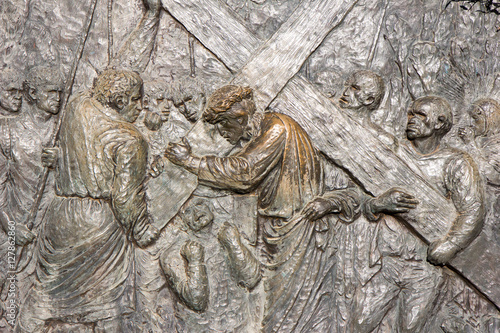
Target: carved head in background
[
  {"x": 43, "y": 87},
  {"x": 120, "y": 90},
  {"x": 197, "y": 214},
  {"x": 429, "y": 117},
  {"x": 188, "y": 96},
  {"x": 363, "y": 90},
  {"x": 156, "y": 103},
  {"x": 10, "y": 90},
  {"x": 231, "y": 108},
  {"x": 485, "y": 114}
]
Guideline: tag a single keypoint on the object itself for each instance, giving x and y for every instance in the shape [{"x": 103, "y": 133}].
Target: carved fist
[
  {"x": 148, "y": 237},
  {"x": 157, "y": 167},
  {"x": 50, "y": 157},
  {"x": 318, "y": 208},
  {"x": 153, "y": 121},
  {"x": 441, "y": 252},
  {"x": 178, "y": 153},
  {"x": 393, "y": 201},
  {"x": 23, "y": 235},
  {"x": 193, "y": 252},
  {"x": 228, "y": 235}
]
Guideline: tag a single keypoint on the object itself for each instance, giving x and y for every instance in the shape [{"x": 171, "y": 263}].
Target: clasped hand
[{"x": 179, "y": 153}]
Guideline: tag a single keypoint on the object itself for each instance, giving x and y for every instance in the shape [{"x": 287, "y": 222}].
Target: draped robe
[
  {"x": 84, "y": 253},
  {"x": 282, "y": 167}
]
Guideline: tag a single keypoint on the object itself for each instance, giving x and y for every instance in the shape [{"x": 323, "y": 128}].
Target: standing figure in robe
[
  {"x": 403, "y": 294},
  {"x": 85, "y": 249},
  {"x": 278, "y": 162}
]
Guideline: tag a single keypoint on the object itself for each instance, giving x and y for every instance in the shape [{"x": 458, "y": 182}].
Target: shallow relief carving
[{"x": 249, "y": 166}]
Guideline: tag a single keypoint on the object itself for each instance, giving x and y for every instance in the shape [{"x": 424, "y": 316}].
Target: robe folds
[
  {"x": 85, "y": 252},
  {"x": 283, "y": 168}
]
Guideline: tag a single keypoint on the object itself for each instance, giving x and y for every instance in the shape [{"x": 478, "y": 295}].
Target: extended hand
[
  {"x": 153, "y": 121},
  {"x": 441, "y": 252},
  {"x": 393, "y": 201},
  {"x": 178, "y": 153},
  {"x": 466, "y": 134},
  {"x": 318, "y": 208}
]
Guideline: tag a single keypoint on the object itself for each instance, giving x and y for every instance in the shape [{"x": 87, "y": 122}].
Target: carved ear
[
  {"x": 440, "y": 123},
  {"x": 119, "y": 102},
  {"x": 369, "y": 100},
  {"x": 30, "y": 92}
]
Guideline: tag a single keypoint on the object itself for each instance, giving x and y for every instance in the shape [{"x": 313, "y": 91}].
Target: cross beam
[{"x": 271, "y": 72}]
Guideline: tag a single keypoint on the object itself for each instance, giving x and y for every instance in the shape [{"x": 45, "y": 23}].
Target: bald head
[{"x": 429, "y": 116}]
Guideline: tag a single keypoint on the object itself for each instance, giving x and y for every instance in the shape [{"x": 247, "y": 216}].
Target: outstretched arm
[
  {"x": 246, "y": 268},
  {"x": 193, "y": 290},
  {"x": 463, "y": 182},
  {"x": 241, "y": 172},
  {"x": 136, "y": 51}
]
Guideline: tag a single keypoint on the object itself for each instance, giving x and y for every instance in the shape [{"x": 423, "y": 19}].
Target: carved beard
[{"x": 254, "y": 125}]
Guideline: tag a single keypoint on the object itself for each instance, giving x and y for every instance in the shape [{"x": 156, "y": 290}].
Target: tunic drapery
[
  {"x": 84, "y": 253},
  {"x": 283, "y": 168}
]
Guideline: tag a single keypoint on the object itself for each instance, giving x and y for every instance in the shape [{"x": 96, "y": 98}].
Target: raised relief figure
[
  {"x": 195, "y": 265},
  {"x": 289, "y": 227},
  {"x": 86, "y": 245},
  {"x": 358, "y": 258},
  {"x": 485, "y": 116},
  {"x": 10, "y": 106},
  {"x": 24, "y": 135},
  {"x": 407, "y": 285},
  {"x": 278, "y": 162}
]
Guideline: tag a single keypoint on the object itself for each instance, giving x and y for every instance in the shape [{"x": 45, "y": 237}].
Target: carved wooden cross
[{"x": 270, "y": 67}]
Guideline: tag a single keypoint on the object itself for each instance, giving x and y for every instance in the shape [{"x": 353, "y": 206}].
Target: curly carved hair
[
  {"x": 224, "y": 98},
  {"x": 112, "y": 83}
]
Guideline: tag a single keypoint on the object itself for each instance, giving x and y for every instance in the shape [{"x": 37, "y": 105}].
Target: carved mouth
[{"x": 343, "y": 100}]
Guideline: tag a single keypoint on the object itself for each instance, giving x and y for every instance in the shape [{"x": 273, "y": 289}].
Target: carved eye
[{"x": 355, "y": 87}]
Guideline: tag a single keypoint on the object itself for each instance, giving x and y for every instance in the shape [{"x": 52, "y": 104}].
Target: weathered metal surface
[{"x": 346, "y": 180}]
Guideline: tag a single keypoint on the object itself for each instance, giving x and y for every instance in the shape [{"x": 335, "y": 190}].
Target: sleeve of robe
[
  {"x": 244, "y": 171},
  {"x": 128, "y": 197},
  {"x": 136, "y": 51},
  {"x": 464, "y": 185}
]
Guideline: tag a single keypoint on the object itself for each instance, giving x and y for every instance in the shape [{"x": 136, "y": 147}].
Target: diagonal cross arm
[
  {"x": 219, "y": 29},
  {"x": 271, "y": 71}
]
